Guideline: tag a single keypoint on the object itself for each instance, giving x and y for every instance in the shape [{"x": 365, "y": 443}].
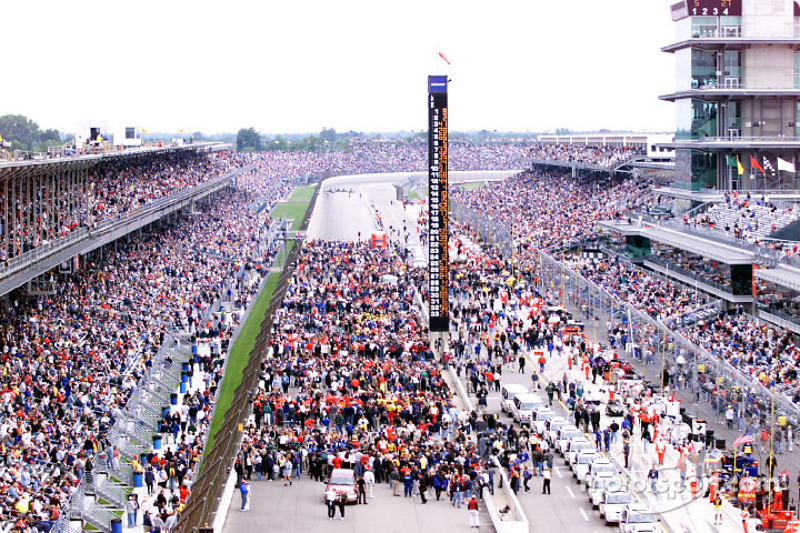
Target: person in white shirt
[{"x": 369, "y": 478}]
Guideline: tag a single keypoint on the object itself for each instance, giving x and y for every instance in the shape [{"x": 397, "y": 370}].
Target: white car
[
  {"x": 582, "y": 462},
  {"x": 577, "y": 446},
  {"x": 523, "y": 406},
  {"x": 637, "y": 519},
  {"x": 567, "y": 434},
  {"x": 507, "y": 394},
  {"x": 603, "y": 466},
  {"x": 600, "y": 484},
  {"x": 552, "y": 426},
  {"x": 540, "y": 417},
  {"x": 612, "y": 503}
]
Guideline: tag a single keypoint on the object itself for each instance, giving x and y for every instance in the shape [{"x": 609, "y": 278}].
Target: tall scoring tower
[{"x": 438, "y": 259}]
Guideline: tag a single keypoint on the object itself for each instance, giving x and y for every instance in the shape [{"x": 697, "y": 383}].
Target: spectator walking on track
[{"x": 474, "y": 516}]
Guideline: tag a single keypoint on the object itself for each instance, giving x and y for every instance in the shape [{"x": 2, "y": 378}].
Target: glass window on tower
[
  {"x": 704, "y": 69},
  {"x": 797, "y": 70},
  {"x": 733, "y": 120},
  {"x": 704, "y": 171},
  {"x": 704, "y": 27},
  {"x": 732, "y": 69},
  {"x": 730, "y": 27},
  {"x": 704, "y": 119}
]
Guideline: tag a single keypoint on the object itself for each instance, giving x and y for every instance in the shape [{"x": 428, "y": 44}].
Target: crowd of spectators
[
  {"x": 601, "y": 156},
  {"x": 351, "y": 382},
  {"x": 745, "y": 217},
  {"x": 115, "y": 188},
  {"x": 72, "y": 356},
  {"x": 552, "y": 212}
]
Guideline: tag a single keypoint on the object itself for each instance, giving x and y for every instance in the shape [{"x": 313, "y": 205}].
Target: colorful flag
[
  {"x": 443, "y": 57},
  {"x": 786, "y": 166},
  {"x": 731, "y": 160},
  {"x": 768, "y": 166},
  {"x": 145, "y": 131},
  {"x": 1, "y": 138},
  {"x": 754, "y": 164},
  {"x": 180, "y": 130},
  {"x": 744, "y": 439},
  {"x": 739, "y": 166}
]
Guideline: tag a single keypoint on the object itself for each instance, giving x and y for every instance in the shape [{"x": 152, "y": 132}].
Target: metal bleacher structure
[
  {"x": 753, "y": 248},
  {"x": 100, "y": 496}
]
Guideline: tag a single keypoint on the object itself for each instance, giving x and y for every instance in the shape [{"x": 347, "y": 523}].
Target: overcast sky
[{"x": 299, "y": 66}]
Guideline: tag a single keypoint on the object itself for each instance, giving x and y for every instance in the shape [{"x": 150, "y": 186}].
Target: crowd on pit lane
[
  {"x": 603, "y": 156},
  {"x": 548, "y": 211},
  {"x": 70, "y": 359},
  {"x": 351, "y": 382}
]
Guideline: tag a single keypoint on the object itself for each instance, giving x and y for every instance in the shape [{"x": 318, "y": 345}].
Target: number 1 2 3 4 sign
[{"x": 714, "y": 8}]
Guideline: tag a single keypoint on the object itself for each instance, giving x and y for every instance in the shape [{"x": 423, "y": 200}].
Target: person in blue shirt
[{"x": 244, "y": 490}]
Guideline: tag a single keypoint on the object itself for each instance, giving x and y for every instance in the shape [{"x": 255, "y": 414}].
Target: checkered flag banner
[{"x": 768, "y": 168}]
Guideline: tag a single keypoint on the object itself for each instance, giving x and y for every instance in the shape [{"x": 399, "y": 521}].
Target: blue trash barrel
[
  {"x": 156, "y": 442},
  {"x": 184, "y": 377},
  {"x": 165, "y": 410},
  {"x": 116, "y": 525},
  {"x": 183, "y": 387},
  {"x": 173, "y": 398},
  {"x": 138, "y": 477}
]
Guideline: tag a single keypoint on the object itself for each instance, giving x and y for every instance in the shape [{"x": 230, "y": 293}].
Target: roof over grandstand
[
  {"x": 93, "y": 157},
  {"x": 783, "y": 276}
]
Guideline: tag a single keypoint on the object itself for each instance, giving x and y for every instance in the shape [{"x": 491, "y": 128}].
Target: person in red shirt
[{"x": 474, "y": 516}]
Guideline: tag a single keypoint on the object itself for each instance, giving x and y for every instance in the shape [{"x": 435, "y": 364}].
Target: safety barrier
[{"x": 203, "y": 505}]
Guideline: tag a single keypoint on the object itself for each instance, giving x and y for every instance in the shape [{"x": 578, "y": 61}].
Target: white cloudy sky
[{"x": 299, "y": 66}]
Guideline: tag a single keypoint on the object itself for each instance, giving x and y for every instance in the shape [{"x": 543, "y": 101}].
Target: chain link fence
[
  {"x": 203, "y": 504},
  {"x": 710, "y": 378}
]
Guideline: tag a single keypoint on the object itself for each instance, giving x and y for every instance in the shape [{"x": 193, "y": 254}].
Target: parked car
[
  {"x": 602, "y": 466},
  {"x": 540, "y": 417},
  {"x": 343, "y": 481},
  {"x": 576, "y": 447},
  {"x": 567, "y": 434},
  {"x": 552, "y": 426},
  {"x": 615, "y": 408},
  {"x": 612, "y": 503},
  {"x": 600, "y": 484},
  {"x": 637, "y": 519},
  {"x": 582, "y": 462},
  {"x": 507, "y": 394},
  {"x": 523, "y": 406}
]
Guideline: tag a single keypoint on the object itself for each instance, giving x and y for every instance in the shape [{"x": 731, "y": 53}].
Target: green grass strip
[
  {"x": 246, "y": 340},
  {"x": 302, "y": 194}
]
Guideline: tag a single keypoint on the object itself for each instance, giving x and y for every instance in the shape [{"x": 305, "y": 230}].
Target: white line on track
[
  {"x": 584, "y": 514},
  {"x": 558, "y": 472},
  {"x": 570, "y": 492}
]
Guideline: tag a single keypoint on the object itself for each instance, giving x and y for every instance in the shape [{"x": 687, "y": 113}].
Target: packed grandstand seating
[
  {"x": 602, "y": 156},
  {"x": 749, "y": 219},
  {"x": 552, "y": 210},
  {"x": 71, "y": 359}
]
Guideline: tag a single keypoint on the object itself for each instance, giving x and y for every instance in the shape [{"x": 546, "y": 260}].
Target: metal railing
[
  {"x": 25, "y": 259},
  {"x": 203, "y": 503},
  {"x": 706, "y": 371}
]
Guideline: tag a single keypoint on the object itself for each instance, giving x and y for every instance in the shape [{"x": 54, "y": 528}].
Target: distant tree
[
  {"x": 562, "y": 131},
  {"x": 328, "y": 134},
  {"x": 198, "y": 136},
  {"x": 248, "y": 140},
  {"x": 24, "y": 131}
]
